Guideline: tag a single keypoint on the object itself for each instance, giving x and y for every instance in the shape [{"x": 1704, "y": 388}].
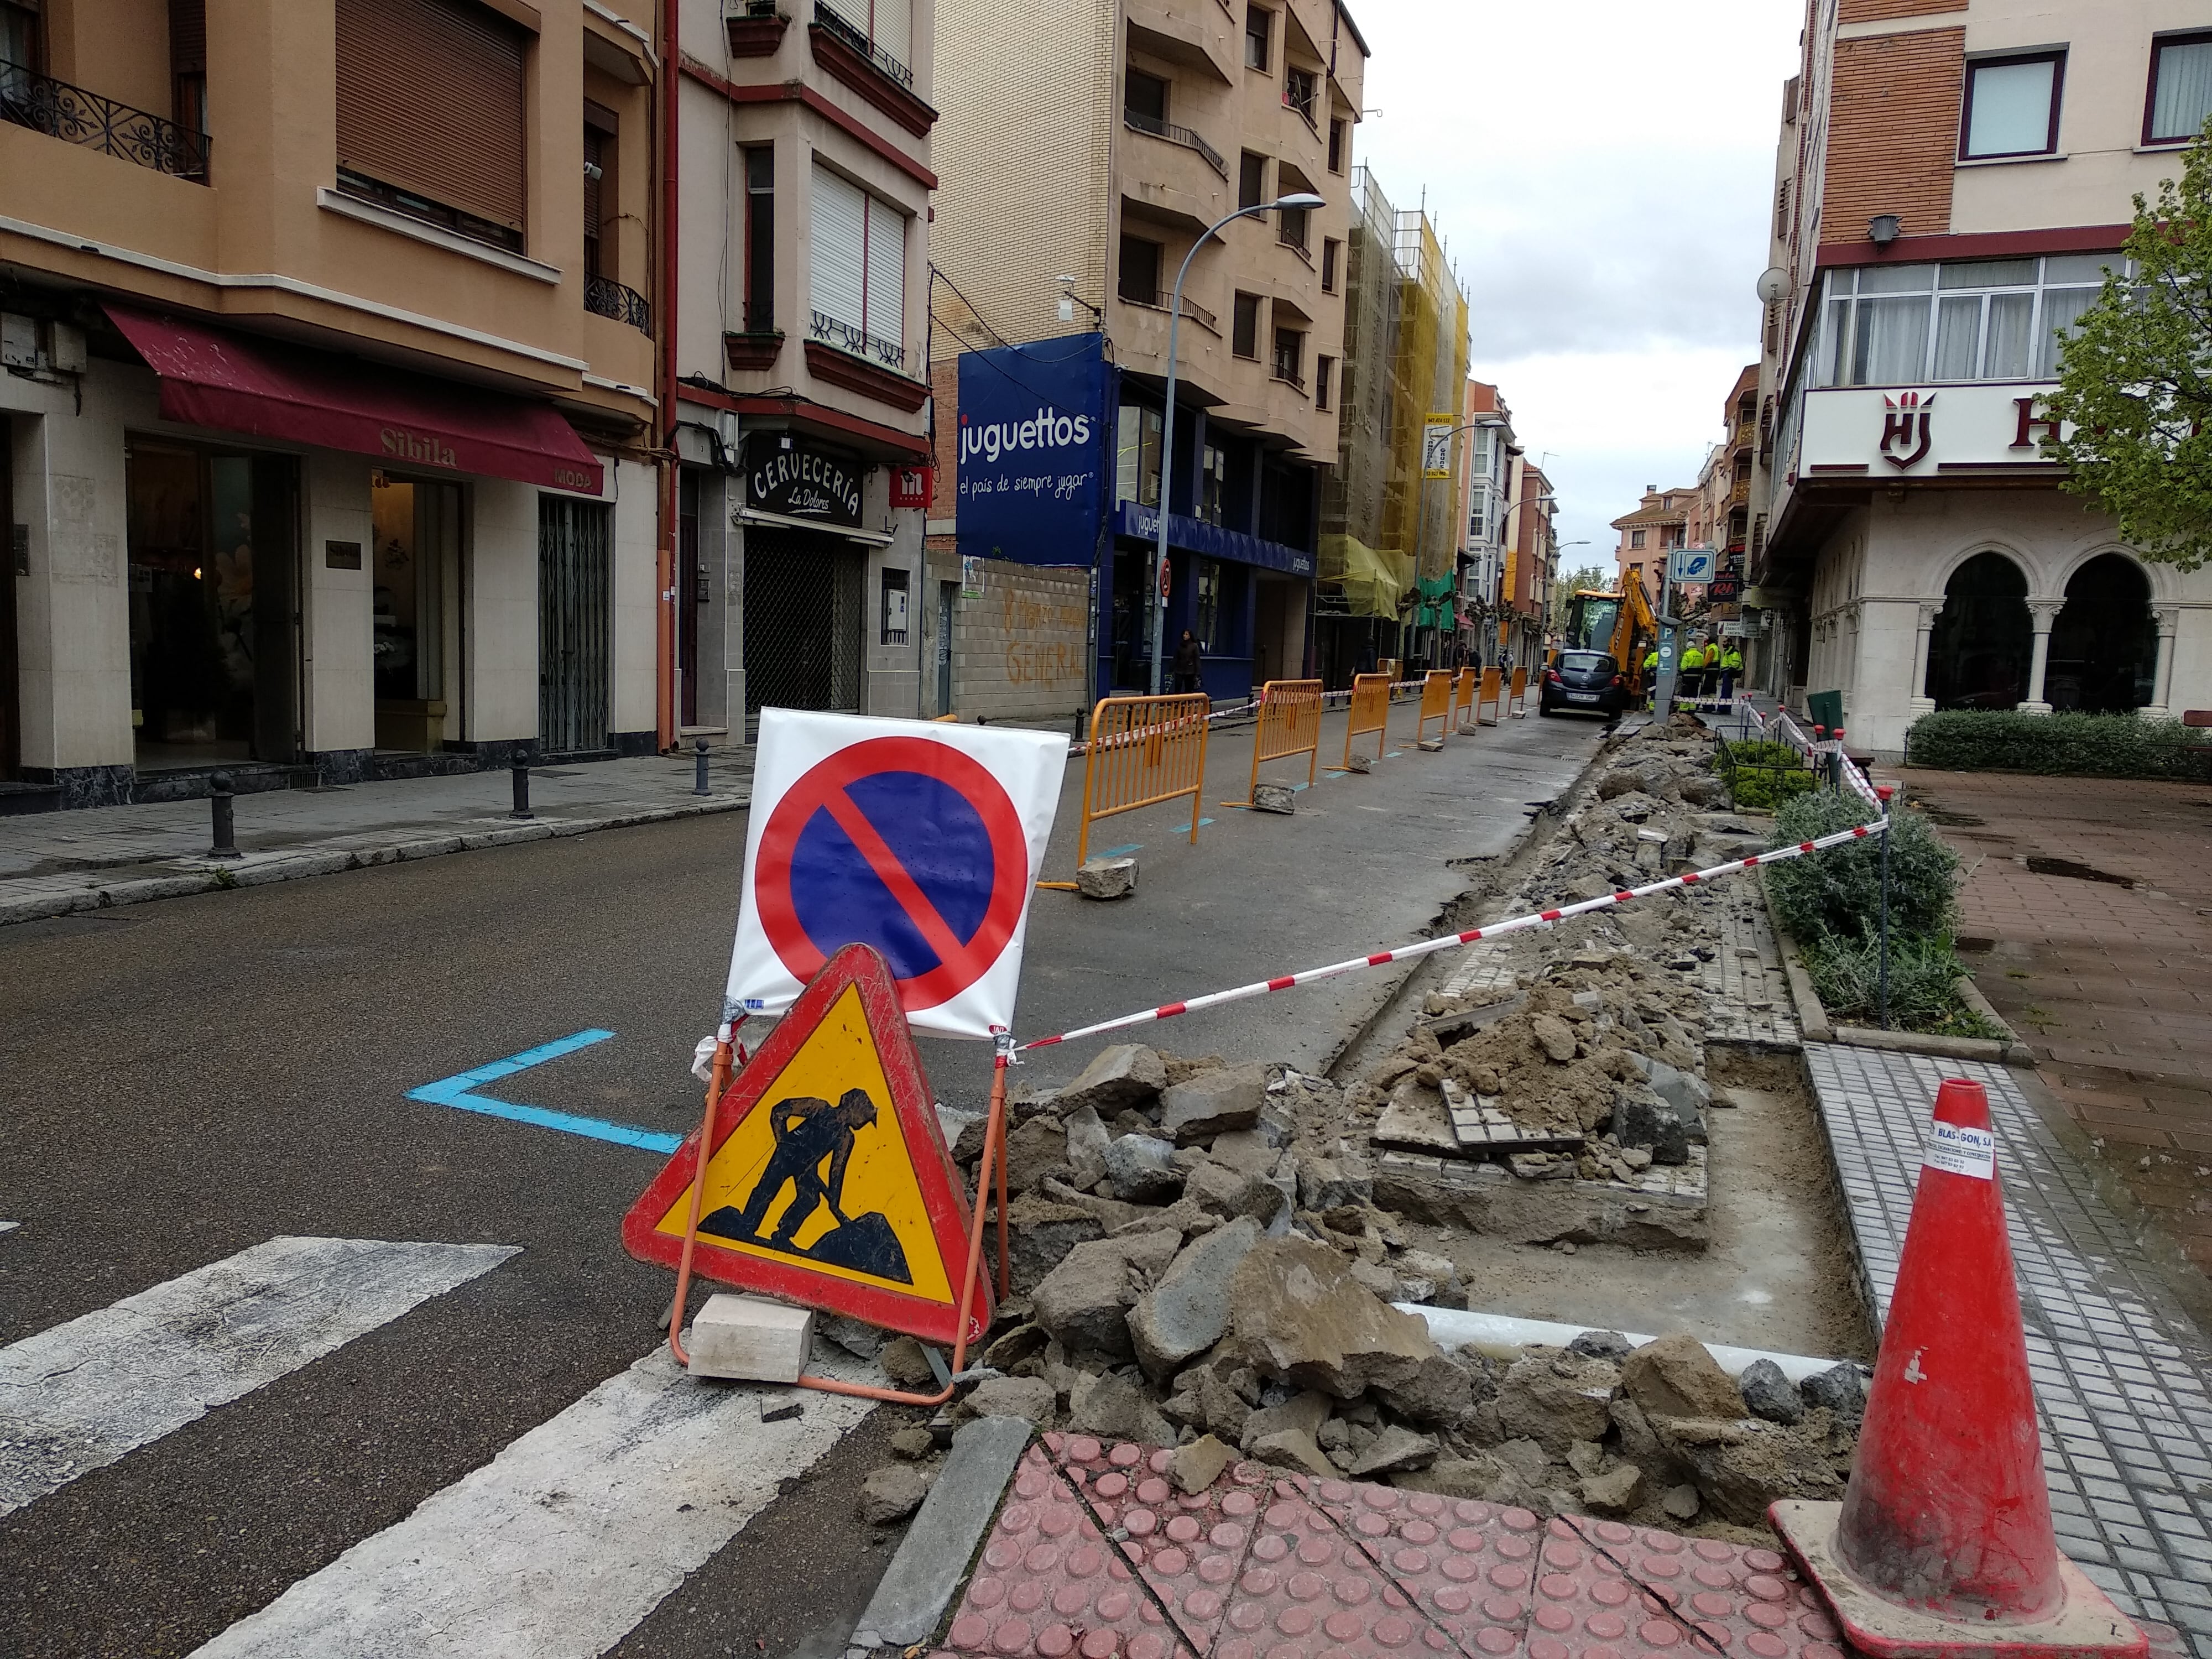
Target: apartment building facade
[
  {"x": 1659, "y": 524},
  {"x": 1086, "y": 150},
  {"x": 329, "y": 395},
  {"x": 1952, "y": 180},
  {"x": 1491, "y": 448},
  {"x": 800, "y": 348},
  {"x": 1531, "y": 564}
]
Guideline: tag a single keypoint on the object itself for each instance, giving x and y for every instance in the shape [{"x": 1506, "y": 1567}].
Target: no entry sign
[{"x": 920, "y": 841}]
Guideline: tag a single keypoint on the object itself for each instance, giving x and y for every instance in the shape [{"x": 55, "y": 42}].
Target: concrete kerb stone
[
  {"x": 915, "y": 1590},
  {"x": 281, "y": 864}
]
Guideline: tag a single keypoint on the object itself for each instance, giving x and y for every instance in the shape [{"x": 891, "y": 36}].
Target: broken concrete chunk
[
  {"x": 1291, "y": 1448},
  {"x": 1035, "y": 1149},
  {"x": 1600, "y": 1345},
  {"x": 1675, "y": 1377},
  {"x": 1615, "y": 1493},
  {"x": 1680, "y": 1503},
  {"x": 1585, "y": 1457},
  {"x": 1087, "y": 1141},
  {"x": 1107, "y": 878},
  {"x": 1043, "y": 1233},
  {"x": 1142, "y": 1170},
  {"x": 1393, "y": 1450},
  {"x": 1213, "y": 1102},
  {"x": 1114, "y": 1408},
  {"x": 1642, "y": 1121},
  {"x": 1199, "y": 1465},
  {"x": 1305, "y": 1411},
  {"x": 1125, "y": 1076},
  {"x": 1556, "y": 1401},
  {"x": 1081, "y": 1303},
  {"x": 1273, "y": 798},
  {"x": 1223, "y": 1191},
  {"x": 892, "y": 1494},
  {"x": 1557, "y": 1036},
  {"x": 903, "y": 1363},
  {"x": 1186, "y": 1311},
  {"x": 1026, "y": 1397},
  {"x": 916, "y": 1442},
  {"x": 1769, "y": 1392},
  {"x": 1299, "y": 1314}
]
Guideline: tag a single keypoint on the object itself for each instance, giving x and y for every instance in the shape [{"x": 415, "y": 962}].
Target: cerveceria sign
[{"x": 803, "y": 481}]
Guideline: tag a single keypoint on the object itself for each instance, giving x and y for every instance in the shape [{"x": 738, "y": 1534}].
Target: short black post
[
  {"x": 521, "y": 786},
  {"x": 699, "y": 767},
  {"x": 219, "y": 798},
  {"x": 1885, "y": 791}
]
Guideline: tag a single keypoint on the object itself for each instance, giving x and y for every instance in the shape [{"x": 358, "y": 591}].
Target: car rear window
[{"x": 1586, "y": 662}]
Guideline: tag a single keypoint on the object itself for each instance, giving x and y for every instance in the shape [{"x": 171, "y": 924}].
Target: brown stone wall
[
  {"x": 1893, "y": 131},
  {"x": 1874, "y": 11}
]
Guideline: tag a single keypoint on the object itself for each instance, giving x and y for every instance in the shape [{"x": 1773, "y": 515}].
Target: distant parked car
[{"x": 1584, "y": 683}]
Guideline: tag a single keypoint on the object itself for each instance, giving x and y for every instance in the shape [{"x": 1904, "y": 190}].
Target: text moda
[{"x": 1048, "y": 430}]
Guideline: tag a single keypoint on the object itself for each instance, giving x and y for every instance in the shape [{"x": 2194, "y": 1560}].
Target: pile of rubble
[{"x": 1206, "y": 1255}]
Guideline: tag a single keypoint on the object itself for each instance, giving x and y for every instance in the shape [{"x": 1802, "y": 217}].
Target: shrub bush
[
  {"x": 2072, "y": 745},
  {"x": 1837, "y": 893},
  {"x": 1924, "y": 975},
  {"x": 1761, "y": 775}
]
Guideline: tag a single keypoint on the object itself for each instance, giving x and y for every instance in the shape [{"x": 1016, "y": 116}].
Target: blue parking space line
[
  {"x": 1122, "y": 852},
  {"x": 459, "y": 1092},
  {"x": 1202, "y": 822}
]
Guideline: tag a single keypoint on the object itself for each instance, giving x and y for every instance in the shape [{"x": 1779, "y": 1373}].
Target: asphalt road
[{"x": 185, "y": 1080}]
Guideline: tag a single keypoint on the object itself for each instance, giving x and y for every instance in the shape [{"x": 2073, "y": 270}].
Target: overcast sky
[{"x": 1601, "y": 172}]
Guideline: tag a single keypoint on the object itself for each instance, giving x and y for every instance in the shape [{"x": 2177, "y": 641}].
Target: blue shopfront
[{"x": 1246, "y": 600}]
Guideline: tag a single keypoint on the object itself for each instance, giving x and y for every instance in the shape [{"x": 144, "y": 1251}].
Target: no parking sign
[{"x": 921, "y": 840}]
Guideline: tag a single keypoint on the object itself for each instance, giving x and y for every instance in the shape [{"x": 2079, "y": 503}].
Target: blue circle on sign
[{"x": 918, "y": 835}]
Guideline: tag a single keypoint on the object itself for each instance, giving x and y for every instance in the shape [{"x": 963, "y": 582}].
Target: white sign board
[
  {"x": 1691, "y": 565},
  {"x": 1922, "y": 432},
  {"x": 1435, "y": 447},
  {"x": 922, "y": 840}
]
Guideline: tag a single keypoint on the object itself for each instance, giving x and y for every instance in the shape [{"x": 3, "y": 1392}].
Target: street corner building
[
  {"x": 328, "y": 400},
  {"x": 1086, "y": 151},
  {"x": 1953, "y": 178},
  {"x": 800, "y": 340}
]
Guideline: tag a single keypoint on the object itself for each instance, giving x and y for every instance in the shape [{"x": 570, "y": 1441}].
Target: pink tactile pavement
[{"x": 1096, "y": 1553}]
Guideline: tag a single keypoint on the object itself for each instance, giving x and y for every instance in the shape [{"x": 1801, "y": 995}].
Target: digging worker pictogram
[{"x": 807, "y": 1130}]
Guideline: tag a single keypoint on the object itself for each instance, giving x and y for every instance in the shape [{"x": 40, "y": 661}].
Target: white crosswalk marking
[
  {"x": 80, "y": 1396},
  {"x": 559, "y": 1545}
]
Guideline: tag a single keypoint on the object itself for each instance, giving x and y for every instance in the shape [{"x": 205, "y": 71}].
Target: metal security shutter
[
  {"x": 430, "y": 101},
  {"x": 886, "y": 296},
  {"x": 839, "y": 236},
  {"x": 804, "y": 613},
  {"x": 855, "y": 12},
  {"x": 892, "y": 27},
  {"x": 574, "y": 625},
  {"x": 187, "y": 37}
]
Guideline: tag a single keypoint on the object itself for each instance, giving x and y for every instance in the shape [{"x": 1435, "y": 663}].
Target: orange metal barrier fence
[
  {"x": 1289, "y": 724},
  {"x": 1490, "y": 697},
  {"x": 1463, "y": 686},
  {"x": 1370, "y": 712},
  {"x": 1144, "y": 750},
  {"x": 1520, "y": 693},
  {"x": 1436, "y": 705}
]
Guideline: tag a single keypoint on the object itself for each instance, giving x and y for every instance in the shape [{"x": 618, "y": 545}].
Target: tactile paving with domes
[{"x": 1095, "y": 1555}]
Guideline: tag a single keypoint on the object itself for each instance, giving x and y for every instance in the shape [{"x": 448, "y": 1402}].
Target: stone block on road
[
  {"x": 1212, "y": 1102},
  {"x": 750, "y": 1339},
  {"x": 1107, "y": 878}
]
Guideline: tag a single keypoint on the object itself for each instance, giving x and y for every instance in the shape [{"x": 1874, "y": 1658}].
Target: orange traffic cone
[{"x": 1942, "y": 1545}]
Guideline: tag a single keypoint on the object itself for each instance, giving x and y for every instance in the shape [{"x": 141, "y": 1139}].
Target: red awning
[{"x": 240, "y": 383}]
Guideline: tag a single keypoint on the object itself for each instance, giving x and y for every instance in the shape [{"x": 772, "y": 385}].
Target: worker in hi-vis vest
[
  {"x": 1694, "y": 672},
  {"x": 1731, "y": 665}
]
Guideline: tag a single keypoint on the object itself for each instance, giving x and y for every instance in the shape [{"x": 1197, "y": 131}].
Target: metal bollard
[
  {"x": 219, "y": 800},
  {"x": 699, "y": 768},
  {"x": 521, "y": 787}
]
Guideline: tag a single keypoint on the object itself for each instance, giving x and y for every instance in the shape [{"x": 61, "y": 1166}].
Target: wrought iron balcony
[
  {"x": 846, "y": 338},
  {"x": 1137, "y": 121},
  {"x": 826, "y": 16},
  {"x": 605, "y": 297},
  {"x": 77, "y": 117}
]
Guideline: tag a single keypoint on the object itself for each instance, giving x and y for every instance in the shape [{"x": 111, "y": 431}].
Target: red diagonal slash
[{"x": 950, "y": 952}]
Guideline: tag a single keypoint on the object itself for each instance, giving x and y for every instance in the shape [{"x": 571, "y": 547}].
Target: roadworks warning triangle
[{"x": 829, "y": 1183}]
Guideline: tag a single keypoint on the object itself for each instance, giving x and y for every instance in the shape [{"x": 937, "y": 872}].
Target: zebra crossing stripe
[
  {"x": 575, "y": 1532},
  {"x": 80, "y": 1396}
]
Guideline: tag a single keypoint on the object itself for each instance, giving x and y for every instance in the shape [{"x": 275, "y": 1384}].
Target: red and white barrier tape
[{"x": 1454, "y": 941}]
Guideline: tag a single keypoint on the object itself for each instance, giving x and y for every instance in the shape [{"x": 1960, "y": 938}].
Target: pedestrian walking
[{"x": 1187, "y": 658}]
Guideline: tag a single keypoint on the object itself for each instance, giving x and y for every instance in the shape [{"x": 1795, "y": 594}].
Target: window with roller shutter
[
  {"x": 886, "y": 25},
  {"x": 858, "y": 270},
  {"x": 430, "y": 113}
]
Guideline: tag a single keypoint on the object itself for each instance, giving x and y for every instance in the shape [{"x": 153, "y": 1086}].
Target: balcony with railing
[
  {"x": 1138, "y": 121},
  {"x": 1154, "y": 300},
  {"x": 852, "y": 54},
  {"x": 847, "y": 354},
  {"x": 78, "y": 116},
  {"x": 1302, "y": 93},
  {"x": 605, "y": 297}
]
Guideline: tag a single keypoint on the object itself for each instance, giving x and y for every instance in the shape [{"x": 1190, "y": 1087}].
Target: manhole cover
[{"x": 2068, "y": 868}]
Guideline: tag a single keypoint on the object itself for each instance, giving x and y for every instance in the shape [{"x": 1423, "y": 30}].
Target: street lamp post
[
  {"x": 1299, "y": 201},
  {"x": 1421, "y": 502}
]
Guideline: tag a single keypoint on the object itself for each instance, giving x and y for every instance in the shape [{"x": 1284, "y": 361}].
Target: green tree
[
  {"x": 2135, "y": 379},
  {"x": 1566, "y": 586}
]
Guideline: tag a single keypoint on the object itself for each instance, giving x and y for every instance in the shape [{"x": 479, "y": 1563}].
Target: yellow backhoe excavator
[{"x": 1620, "y": 624}]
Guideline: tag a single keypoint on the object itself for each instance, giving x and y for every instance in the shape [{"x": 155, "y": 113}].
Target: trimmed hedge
[
  {"x": 2058, "y": 745},
  {"x": 1838, "y": 893},
  {"x": 1924, "y": 975}
]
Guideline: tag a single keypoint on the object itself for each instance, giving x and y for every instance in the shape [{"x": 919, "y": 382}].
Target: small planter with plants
[
  {"x": 1761, "y": 775},
  {"x": 1832, "y": 906}
]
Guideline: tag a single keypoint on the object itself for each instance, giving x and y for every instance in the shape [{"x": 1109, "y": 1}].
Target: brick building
[{"x": 1954, "y": 177}]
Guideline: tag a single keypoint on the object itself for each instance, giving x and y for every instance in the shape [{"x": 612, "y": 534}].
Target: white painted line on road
[
  {"x": 9, "y": 1226},
  {"x": 79, "y": 1397},
  {"x": 575, "y": 1532}
]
